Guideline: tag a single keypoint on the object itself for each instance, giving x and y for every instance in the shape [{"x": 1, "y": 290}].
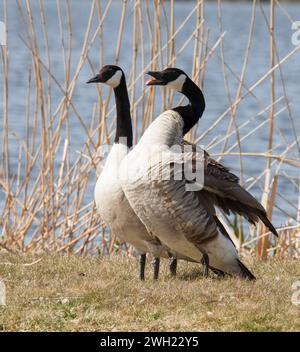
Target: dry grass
[{"x": 87, "y": 294}]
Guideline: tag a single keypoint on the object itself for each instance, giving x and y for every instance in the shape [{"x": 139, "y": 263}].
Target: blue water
[{"x": 235, "y": 17}]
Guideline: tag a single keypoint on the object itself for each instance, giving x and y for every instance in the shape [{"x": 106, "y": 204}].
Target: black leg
[
  {"x": 142, "y": 263},
  {"x": 205, "y": 262},
  {"x": 173, "y": 266},
  {"x": 155, "y": 263}
]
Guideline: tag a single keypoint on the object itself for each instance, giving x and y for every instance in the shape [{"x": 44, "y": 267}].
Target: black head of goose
[
  {"x": 114, "y": 77},
  {"x": 179, "y": 81}
]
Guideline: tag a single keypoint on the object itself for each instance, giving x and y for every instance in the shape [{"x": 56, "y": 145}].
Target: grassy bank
[
  {"x": 87, "y": 294},
  {"x": 47, "y": 176}
]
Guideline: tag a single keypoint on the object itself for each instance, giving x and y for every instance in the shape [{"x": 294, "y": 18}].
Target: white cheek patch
[
  {"x": 178, "y": 83},
  {"x": 115, "y": 80}
]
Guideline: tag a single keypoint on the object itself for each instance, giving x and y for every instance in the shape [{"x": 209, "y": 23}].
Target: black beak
[
  {"x": 156, "y": 80},
  {"x": 96, "y": 79}
]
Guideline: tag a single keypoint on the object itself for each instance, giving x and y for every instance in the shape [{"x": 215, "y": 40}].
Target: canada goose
[
  {"x": 186, "y": 220},
  {"x": 220, "y": 185},
  {"x": 109, "y": 196}
]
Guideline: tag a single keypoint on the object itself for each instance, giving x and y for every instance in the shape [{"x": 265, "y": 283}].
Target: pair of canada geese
[{"x": 160, "y": 216}]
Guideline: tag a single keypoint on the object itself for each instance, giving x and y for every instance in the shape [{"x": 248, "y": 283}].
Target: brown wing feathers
[
  {"x": 223, "y": 190},
  {"x": 231, "y": 197}
]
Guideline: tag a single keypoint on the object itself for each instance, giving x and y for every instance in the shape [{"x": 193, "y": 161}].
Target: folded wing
[{"x": 223, "y": 190}]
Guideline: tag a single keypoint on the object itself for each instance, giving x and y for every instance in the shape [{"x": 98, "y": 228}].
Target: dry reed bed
[{"x": 49, "y": 212}]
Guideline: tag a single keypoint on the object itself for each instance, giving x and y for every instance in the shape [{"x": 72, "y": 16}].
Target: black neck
[
  {"x": 192, "y": 112},
  {"x": 124, "y": 127}
]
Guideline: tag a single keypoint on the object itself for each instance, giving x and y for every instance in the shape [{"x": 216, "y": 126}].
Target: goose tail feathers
[{"x": 245, "y": 272}]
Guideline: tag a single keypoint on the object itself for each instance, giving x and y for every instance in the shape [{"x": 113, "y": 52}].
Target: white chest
[{"x": 108, "y": 192}]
